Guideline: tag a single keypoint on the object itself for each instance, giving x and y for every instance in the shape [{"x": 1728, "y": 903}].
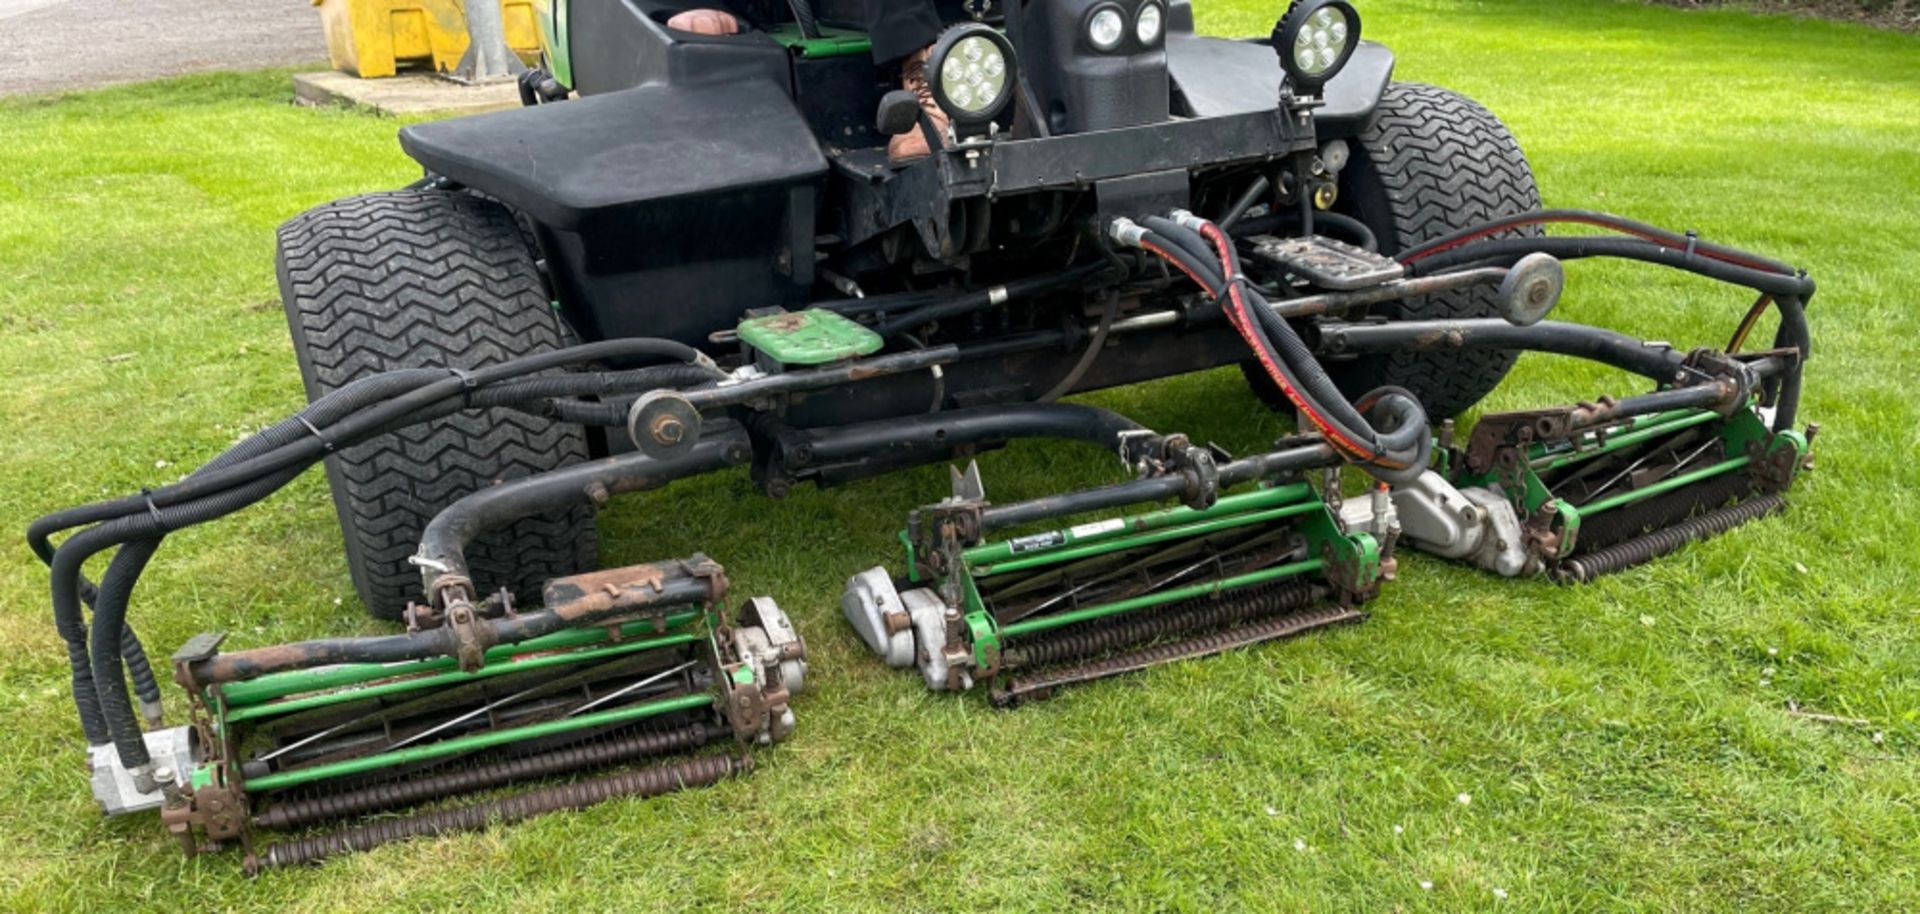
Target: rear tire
[
  {"x": 1433, "y": 162},
  {"x": 418, "y": 279}
]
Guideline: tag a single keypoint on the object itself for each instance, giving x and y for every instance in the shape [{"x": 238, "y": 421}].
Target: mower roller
[{"x": 691, "y": 253}]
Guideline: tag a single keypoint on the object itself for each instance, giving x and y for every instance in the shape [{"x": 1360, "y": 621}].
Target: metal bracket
[{"x": 470, "y": 638}]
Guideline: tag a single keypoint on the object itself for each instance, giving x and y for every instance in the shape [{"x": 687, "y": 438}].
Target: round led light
[
  {"x": 1105, "y": 27},
  {"x": 974, "y": 71},
  {"x": 1315, "y": 39},
  {"x": 973, "y": 74},
  {"x": 1148, "y": 24}
]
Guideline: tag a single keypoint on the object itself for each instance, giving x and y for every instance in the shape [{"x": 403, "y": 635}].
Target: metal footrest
[{"x": 1329, "y": 264}]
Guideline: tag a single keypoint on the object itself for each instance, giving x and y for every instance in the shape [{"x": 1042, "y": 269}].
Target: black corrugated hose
[{"x": 256, "y": 468}]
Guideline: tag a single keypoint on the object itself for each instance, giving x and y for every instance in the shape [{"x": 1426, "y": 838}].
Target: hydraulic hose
[
  {"x": 803, "y": 17},
  {"x": 599, "y": 384},
  {"x": 1098, "y": 342},
  {"x": 1657, "y": 363},
  {"x": 443, "y": 543},
  {"x": 561, "y": 402},
  {"x": 143, "y": 533},
  {"x": 1199, "y": 253},
  {"x": 597, "y": 413},
  {"x": 251, "y": 471},
  {"x": 986, "y": 298},
  {"x": 1395, "y": 450},
  {"x": 303, "y": 439},
  {"x": 1780, "y": 285},
  {"x": 450, "y": 384},
  {"x": 883, "y": 304},
  {"x": 67, "y": 614},
  {"x": 1789, "y": 289},
  {"x": 1608, "y": 221},
  {"x": 1793, "y": 334},
  {"x": 1105, "y": 428},
  {"x": 1407, "y": 422},
  {"x": 1245, "y": 201},
  {"x": 109, "y": 615},
  {"x": 140, "y": 674},
  {"x": 367, "y": 390}
]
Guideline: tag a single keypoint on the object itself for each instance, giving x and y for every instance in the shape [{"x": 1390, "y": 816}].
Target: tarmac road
[{"x": 50, "y": 45}]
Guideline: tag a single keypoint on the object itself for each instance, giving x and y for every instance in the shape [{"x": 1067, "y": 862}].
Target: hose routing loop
[
  {"x": 1386, "y": 433},
  {"x": 103, "y": 654}
]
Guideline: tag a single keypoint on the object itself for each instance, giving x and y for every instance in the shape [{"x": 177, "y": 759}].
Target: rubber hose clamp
[{"x": 467, "y": 384}]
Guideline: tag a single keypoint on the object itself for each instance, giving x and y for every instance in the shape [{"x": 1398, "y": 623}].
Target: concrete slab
[{"x": 404, "y": 94}]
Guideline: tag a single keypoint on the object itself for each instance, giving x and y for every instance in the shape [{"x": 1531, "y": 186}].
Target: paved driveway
[{"x": 67, "y": 44}]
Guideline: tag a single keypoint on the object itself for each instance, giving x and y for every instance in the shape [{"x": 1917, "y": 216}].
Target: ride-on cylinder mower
[{"x": 694, "y": 252}]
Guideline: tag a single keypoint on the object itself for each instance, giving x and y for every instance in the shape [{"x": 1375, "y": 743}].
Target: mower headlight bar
[
  {"x": 1315, "y": 39},
  {"x": 974, "y": 73}
]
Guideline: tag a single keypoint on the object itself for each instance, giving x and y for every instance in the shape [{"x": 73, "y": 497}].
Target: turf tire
[{"x": 426, "y": 278}]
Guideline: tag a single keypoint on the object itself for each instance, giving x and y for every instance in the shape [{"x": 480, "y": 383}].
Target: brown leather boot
[
  {"x": 913, "y": 144},
  {"x": 705, "y": 22}
]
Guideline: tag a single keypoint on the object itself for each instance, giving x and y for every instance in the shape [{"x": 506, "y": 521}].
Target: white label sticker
[
  {"x": 1095, "y": 529},
  {"x": 1045, "y": 540}
]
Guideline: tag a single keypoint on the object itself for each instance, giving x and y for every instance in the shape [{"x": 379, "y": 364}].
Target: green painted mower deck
[
  {"x": 1742, "y": 435},
  {"x": 238, "y": 706},
  {"x": 1298, "y": 503}
]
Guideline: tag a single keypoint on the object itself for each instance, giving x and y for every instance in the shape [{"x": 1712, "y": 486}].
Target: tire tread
[
  {"x": 1433, "y": 162},
  {"x": 429, "y": 279}
]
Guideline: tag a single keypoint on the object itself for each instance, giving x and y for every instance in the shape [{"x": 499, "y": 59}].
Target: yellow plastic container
[{"x": 373, "y": 38}]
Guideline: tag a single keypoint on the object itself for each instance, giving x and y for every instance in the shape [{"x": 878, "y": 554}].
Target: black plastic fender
[
  {"x": 572, "y": 164},
  {"x": 1219, "y": 76}
]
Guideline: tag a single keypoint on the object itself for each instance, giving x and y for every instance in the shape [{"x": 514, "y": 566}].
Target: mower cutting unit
[
  {"x": 1536, "y": 492},
  {"x": 648, "y": 669},
  {"x": 1035, "y": 612},
  {"x": 695, "y": 253}
]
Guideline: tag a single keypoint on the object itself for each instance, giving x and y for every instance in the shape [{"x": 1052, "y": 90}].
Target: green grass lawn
[{"x": 1479, "y": 743}]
